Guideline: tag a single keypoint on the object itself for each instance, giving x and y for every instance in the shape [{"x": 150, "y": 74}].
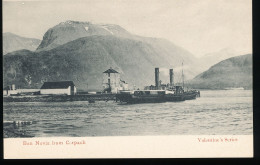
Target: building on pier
[
  {"x": 112, "y": 82},
  {"x": 58, "y": 88}
]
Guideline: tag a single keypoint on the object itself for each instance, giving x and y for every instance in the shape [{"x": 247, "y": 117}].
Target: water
[{"x": 214, "y": 113}]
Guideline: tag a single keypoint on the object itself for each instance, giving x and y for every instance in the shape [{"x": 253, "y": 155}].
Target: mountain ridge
[
  {"x": 72, "y": 30},
  {"x": 83, "y": 61},
  {"x": 13, "y": 42},
  {"x": 233, "y": 72},
  {"x": 88, "y": 49}
]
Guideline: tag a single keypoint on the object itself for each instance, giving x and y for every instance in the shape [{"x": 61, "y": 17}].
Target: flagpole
[{"x": 182, "y": 77}]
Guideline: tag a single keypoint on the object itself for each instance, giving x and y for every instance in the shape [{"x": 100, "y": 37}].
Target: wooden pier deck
[{"x": 60, "y": 98}]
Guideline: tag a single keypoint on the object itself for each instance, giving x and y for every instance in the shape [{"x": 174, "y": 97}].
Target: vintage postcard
[{"x": 127, "y": 79}]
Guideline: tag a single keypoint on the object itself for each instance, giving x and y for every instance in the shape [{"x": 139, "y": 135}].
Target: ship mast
[{"x": 182, "y": 77}]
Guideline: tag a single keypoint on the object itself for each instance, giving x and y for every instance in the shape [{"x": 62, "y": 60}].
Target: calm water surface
[{"x": 215, "y": 112}]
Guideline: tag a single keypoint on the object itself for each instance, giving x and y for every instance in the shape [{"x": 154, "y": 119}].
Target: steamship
[{"x": 158, "y": 93}]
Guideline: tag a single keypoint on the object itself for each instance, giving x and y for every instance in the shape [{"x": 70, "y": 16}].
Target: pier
[{"x": 61, "y": 98}]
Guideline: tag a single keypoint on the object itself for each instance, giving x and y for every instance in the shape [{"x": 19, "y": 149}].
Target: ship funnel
[
  {"x": 171, "y": 77},
  {"x": 157, "y": 78}
]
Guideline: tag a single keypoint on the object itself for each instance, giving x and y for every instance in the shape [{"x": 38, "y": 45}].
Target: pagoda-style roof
[{"x": 110, "y": 71}]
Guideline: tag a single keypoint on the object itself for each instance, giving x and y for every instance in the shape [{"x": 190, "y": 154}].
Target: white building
[
  {"x": 10, "y": 90},
  {"x": 58, "y": 88},
  {"x": 112, "y": 82}
]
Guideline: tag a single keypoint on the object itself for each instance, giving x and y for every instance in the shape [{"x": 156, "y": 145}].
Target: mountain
[
  {"x": 68, "y": 31},
  {"x": 71, "y": 30},
  {"x": 83, "y": 60},
  {"x": 233, "y": 72},
  {"x": 218, "y": 56},
  {"x": 205, "y": 62},
  {"x": 13, "y": 42}
]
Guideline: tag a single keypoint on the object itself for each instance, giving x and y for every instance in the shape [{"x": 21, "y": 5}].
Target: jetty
[
  {"x": 61, "y": 91},
  {"x": 61, "y": 98}
]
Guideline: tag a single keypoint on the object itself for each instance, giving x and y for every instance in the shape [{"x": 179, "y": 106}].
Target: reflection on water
[{"x": 215, "y": 112}]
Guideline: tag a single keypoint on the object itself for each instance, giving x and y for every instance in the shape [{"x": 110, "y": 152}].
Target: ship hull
[
  {"x": 174, "y": 98},
  {"x": 131, "y": 99},
  {"x": 155, "y": 96},
  {"x": 190, "y": 96},
  {"x": 128, "y": 98}
]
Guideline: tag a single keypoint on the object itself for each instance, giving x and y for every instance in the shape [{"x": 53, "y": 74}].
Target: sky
[{"x": 200, "y": 26}]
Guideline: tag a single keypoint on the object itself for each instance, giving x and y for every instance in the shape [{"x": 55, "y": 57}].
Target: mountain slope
[
  {"x": 72, "y": 30},
  {"x": 218, "y": 56},
  {"x": 13, "y": 42},
  {"x": 233, "y": 72},
  {"x": 210, "y": 59},
  {"x": 85, "y": 59},
  {"x": 81, "y": 51}
]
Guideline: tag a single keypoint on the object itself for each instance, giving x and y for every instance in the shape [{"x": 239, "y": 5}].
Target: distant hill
[
  {"x": 210, "y": 59},
  {"x": 232, "y": 72},
  {"x": 84, "y": 60},
  {"x": 218, "y": 56},
  {"x": 13, "y": 42}
]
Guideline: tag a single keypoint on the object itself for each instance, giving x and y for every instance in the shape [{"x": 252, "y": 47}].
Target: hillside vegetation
[{"x": 85, "y": 59}]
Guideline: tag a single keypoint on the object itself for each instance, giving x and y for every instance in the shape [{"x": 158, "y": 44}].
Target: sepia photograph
[{"x": 90, "y": 69}]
